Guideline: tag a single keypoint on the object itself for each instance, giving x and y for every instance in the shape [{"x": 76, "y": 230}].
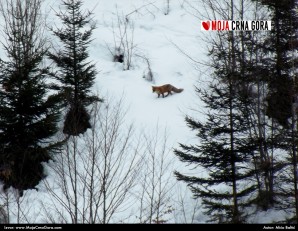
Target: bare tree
[
  {"x": 5, "y": 207},
  {"x": 123, "y": 48},
  {"x": 186, "y": 208},
  {"x": 167, "y": 7},
  {"x": 95, "y": 173},
  {"x": 148, "y": 74},
  {"x": 155, "y": 198},
  {"x": 16, "y": 209}
]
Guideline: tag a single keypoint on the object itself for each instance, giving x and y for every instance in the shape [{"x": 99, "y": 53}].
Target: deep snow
[{"x": 160, "y": 38}]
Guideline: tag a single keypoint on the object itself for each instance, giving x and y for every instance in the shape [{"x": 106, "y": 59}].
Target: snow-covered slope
[
  {"x": 154, "y": 37},
  {"x": 170, "y": 41},
  {"x": 158, "y": 37}
]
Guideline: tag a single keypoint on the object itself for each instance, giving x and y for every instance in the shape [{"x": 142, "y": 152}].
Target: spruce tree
[
  {"x": 281, "y": 40},
  {"x": 281, "y": 47},
  {"x": 224, "y": 153},
  {"x": 254, "y": 81},
  {"x": 76, "y": 74},
  {"x": 28, "y": 112},
  {"x": 279, "y": 64},
  {"x": 225, "y": 150}
]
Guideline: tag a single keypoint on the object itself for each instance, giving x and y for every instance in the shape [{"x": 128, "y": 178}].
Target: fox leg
[{"x": 169, "y": 93}]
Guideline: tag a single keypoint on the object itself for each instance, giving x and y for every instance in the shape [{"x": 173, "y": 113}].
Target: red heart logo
[{"x": 206, "y": 25}]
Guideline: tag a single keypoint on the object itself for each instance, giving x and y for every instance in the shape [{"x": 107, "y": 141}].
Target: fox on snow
[{"x": 167, "y": 88}]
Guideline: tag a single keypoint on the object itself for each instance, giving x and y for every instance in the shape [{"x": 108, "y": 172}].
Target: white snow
[{"x": 156, "y": 36}]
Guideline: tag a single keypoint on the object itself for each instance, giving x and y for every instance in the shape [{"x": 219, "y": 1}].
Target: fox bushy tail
[{"x": 177, "y": 90}]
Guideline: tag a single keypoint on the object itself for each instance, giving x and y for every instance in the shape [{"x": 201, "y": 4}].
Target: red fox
[{"x": 160, "y": 90}]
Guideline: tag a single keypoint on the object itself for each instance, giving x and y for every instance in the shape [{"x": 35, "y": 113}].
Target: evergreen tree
[
  {"x": 75, "y": 74},
  {"x": 280, "y": 65},
  {"x": 281, "y": 41},
  {"x": 225, "y": 150},
  {"x": 254, "y": 78},
  {"x": 28, "y": 112},
  {"x": 224, "y": 153},
  {"x": 237, "y": 131},
  {"x": 283, "y": 94}
]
